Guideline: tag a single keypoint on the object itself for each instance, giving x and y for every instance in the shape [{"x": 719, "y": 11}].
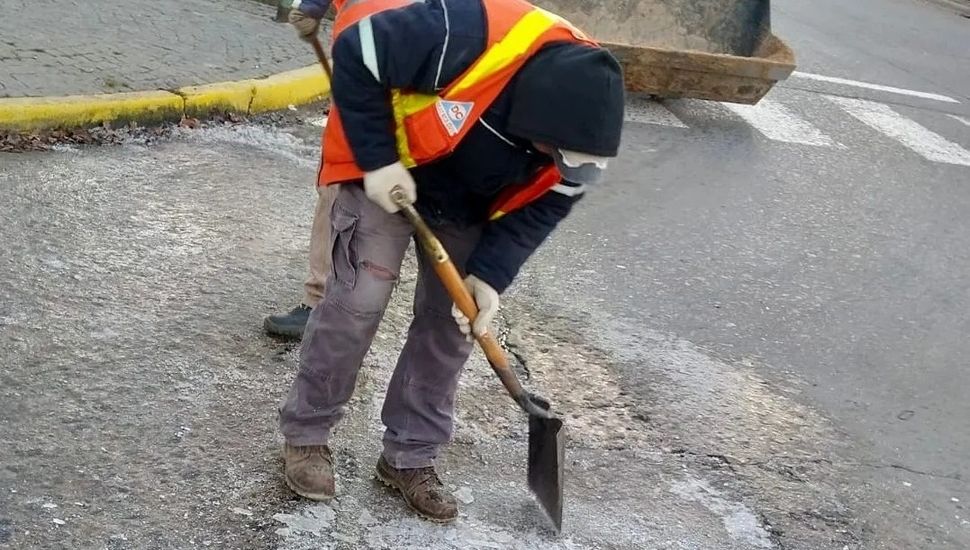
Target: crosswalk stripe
[
  {"x": 878, "y": 87},
  {"x": 916, "y": 137},
  {"x": 780, "y": 123},
  {"x": 958, "y": 118},
  {"x": 651, "y": 112}
]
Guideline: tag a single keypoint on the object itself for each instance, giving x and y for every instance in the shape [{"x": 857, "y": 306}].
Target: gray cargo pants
[{"x": 368, "y": 246}]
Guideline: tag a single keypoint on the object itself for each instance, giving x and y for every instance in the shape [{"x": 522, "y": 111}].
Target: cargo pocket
[{"x": 344, "y": 252}]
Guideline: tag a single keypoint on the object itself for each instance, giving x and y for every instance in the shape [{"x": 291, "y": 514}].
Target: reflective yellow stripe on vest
[
  {"x": 406, "y": 105},
  {"x": 526, "y": 31},
  {"x": 500, "y": 55}
]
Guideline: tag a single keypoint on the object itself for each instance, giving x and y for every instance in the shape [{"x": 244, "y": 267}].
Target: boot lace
[
  {"x": 321, "y": 450},
  {"x": 428, "y": 478}
]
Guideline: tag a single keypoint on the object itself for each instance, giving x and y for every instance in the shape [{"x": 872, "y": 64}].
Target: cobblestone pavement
[{"x": 59, "y": 47}]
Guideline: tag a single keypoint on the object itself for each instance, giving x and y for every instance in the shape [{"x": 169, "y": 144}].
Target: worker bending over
[{"x": 494, "y": 117}]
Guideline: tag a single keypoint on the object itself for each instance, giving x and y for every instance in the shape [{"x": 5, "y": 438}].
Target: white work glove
[
  {"x": 487, "y": 299},
  {"x": 306, "y": 26},
  {"x": 379, "y": 183}
]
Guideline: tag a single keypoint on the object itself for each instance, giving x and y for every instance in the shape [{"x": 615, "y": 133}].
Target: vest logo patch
[{"x": 453, "y": 114}]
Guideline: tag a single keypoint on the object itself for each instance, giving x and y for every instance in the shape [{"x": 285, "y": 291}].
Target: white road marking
[
  {"x": 959, "y": 118},
  {"x": 921, "y": 140},
  {"x": 651, "y": 112},
  {"x": 878, "y": 87},
  {"x": 780, "y": 123}
]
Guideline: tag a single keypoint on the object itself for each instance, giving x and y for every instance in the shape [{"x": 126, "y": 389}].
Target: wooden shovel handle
[
  {"x": 455, "y": 285},
  {"x": 322, "y": 57}
]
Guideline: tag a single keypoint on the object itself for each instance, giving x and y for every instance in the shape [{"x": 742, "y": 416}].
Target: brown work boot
[
  {"x": 309, "y": 471},
  {"x": 422, "y": 490}
]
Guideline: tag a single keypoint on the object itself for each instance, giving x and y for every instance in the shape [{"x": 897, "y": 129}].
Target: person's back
[{"x": 425, "y": 47}]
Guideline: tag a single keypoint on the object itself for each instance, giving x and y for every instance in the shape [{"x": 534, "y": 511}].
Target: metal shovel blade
[{"x": 546, "y": 459}]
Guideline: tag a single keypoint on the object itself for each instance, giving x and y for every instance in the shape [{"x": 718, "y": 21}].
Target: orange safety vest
[{"x": 430, "y": 126}]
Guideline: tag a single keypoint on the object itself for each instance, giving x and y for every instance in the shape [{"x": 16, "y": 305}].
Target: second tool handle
[{"x": 322, "y": 57}]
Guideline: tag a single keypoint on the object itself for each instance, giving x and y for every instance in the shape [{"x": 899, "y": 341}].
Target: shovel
[
  {"x": 322, "y": 58},
  {"x": 546, "y": 437}
]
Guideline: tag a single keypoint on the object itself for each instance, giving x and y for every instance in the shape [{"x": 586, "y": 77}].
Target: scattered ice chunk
[
  {"x": 464, "y": 495},
  {"x": 503, "y": 538},
  {"x": 484, "y": 544},
  {"x": 366, "y": 518},
  {"x": 341, "y": 537},
  {"x": 314, "y": 520}
]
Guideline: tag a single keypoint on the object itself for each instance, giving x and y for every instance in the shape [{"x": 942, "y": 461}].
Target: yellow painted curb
[
  {"x": 221, "y": 97},
  {"x": 30, "y": 113},
  {"x": 251, "y": 96},
  {"x": 295, "y": 87}
]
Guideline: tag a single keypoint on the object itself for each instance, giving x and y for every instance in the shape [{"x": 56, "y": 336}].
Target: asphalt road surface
[
  {"x": 822, "y": 235},
  {"x": 758, "y": 328}
]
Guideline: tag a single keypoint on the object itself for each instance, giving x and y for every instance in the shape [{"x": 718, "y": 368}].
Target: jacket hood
[{"x": 570, "y": 96}]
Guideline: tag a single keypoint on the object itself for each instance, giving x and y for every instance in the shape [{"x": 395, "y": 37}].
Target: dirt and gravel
[{"x": 21, "y": 141}]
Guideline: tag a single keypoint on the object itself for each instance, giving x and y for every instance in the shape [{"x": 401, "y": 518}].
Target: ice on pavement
[
  {"x": 464, "y": 495},
  {"x": 313, "y": 520},
  {"x": 405, "y": 532},
  {"x": 739, "y": 521},
  {"x": 260, "y": 137}
]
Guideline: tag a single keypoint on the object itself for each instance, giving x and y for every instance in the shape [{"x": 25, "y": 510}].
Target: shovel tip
[
  {"x": 546, "y": 466},
  {"x": 555, "y": 524}
]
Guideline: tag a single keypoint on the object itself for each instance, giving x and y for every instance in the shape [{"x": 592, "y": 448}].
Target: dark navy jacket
[{"x": 424, "y": 47}]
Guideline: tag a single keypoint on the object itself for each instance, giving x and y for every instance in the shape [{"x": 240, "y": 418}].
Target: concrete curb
[{"x": 296, "y": 87}]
